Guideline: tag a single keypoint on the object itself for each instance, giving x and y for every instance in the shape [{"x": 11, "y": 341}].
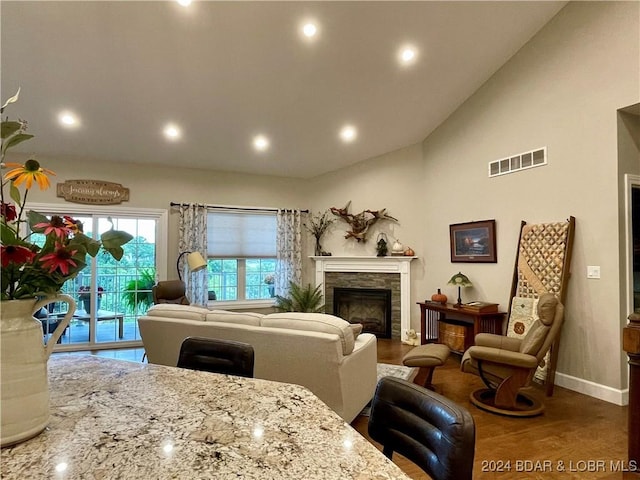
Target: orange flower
[
  {"x": 74, "y": 226},
  {"x": 27, "y": 173}
]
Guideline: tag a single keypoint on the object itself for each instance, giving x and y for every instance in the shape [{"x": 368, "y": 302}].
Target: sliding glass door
[{"x": 110, "y": 294}]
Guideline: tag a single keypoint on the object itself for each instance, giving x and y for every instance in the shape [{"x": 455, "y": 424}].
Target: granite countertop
[{"x": 112, "y": 419}]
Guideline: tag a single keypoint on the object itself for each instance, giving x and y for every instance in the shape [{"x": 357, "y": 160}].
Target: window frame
[
  {"x": 241, "y": 303},
  {"x": 241, "y": 287}
]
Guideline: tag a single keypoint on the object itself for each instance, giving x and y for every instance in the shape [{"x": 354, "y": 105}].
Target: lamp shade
[
  {"x": 196, "y": 262},
  {"x": 460, "y": 280}
]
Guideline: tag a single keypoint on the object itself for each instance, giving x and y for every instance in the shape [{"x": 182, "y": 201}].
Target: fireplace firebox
[{"x": 369, "y": 306}]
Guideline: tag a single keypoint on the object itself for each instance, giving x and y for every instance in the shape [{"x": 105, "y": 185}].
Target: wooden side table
[{"x": 432, "y": 314}]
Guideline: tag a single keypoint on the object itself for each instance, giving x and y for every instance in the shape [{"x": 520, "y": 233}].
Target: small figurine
[{"x": 381, "y": 246}]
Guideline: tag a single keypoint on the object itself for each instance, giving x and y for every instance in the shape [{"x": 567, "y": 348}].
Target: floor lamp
[{"x": 194, "y": 261}]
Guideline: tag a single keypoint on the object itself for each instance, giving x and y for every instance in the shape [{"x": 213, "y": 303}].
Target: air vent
[{"x": 522, "y": 161}]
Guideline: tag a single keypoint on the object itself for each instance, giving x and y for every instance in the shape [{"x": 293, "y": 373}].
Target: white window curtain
[
  {"x": 193, "y": 238},
  {"x": 289, "y": 249}
]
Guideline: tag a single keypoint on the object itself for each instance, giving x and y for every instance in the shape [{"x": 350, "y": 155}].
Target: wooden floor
[{"x": 574, "y": 430}]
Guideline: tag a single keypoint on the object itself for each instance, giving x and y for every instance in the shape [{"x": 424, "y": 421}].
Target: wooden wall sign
[{"x": 92, "y": 192}]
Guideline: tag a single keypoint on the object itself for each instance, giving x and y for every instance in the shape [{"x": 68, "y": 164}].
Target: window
[
  {"x": 110, "y": 294},
  {"x": 241, "y": 254}
]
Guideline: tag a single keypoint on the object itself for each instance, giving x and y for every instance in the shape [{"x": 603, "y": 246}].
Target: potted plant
[
  {"x": 317, "y": 226},
  {"x": 137, "y": 293},
  {"x": 301, "y": 299},
  {"x": 270, "y": 280},
  {"x": 84, "y": 295},
  {"x": 36, "y": 262}
]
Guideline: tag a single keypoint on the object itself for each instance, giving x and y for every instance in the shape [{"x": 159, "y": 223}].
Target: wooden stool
[{"x": 428, "y": 356}]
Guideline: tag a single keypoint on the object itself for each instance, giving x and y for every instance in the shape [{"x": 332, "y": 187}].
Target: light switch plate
[{"x": 593, "y": 271}]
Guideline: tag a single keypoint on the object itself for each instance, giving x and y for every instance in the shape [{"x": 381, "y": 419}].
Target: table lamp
[
  {"x": 194, "y": 261},
  {"x": 459, "y": 280}
]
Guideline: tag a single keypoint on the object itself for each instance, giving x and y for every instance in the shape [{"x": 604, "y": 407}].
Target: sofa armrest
[
  {"x": 498, "y": 341},
  {"x": 502, "y": 357}
]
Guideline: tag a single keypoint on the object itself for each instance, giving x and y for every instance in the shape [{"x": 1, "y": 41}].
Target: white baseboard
[{"x": 602, "y": 392}]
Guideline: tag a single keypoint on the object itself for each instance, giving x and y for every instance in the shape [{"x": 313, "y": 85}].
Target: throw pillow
[{"x": 356, "y": 328}]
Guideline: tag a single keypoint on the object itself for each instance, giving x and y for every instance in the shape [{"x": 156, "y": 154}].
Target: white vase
[{"x": 23, "y": 367}]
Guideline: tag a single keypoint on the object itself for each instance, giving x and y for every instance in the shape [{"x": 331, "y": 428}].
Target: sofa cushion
[
  {"x": 315, "y": 322},
  {"x": 170, "y": 310},
  {"x": 244, "y": 318},
  {"x": 356, "y": 328}
]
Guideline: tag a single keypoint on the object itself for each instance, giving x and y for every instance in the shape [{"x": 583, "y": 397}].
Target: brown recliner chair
[
  {"x": 170, "y": 291},
  {"x": 507, "y": 364}
]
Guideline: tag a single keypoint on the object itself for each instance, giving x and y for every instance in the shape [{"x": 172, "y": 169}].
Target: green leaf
[
  {"x": 15, "y": 140},
  {"x": 116, "y": 252},
  {"x": 7, "y": 235},
  {"x": 9, "y": 128},
  {"x": 114, "y": 238},
  {"x": 35, "y": 218},
  {"x": 14, "y": 193},
  {"x": 87, "y": 244},
  {"x": 301, "y": 299}
]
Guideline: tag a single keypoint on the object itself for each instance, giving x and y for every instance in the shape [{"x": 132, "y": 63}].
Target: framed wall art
[{"x": 473, "y": 242}]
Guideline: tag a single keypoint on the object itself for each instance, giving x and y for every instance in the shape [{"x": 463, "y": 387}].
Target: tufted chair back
[{"x": 435, "y": 433}]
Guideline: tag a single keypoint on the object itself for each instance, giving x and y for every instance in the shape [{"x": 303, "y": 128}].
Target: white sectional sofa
[{"x": 315, "y": 350}]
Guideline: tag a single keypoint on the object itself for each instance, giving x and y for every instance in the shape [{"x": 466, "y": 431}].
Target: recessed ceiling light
[
  {"x": 184, "y": 3},
  {"x": 407, "y": 55},
  {"x": 309, "y": 29},
  {"x": 172, "y": 132},
  {"x": 260, "y": 143},
  {"x": 348, "y": 133},
  {"x": 68, "y": 119}
]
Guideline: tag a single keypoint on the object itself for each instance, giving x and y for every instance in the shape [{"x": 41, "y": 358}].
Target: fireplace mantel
[{"x": 370, "y": 264}]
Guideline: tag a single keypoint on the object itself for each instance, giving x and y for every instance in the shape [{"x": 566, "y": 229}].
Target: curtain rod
[{"x": 245, "y": 209}]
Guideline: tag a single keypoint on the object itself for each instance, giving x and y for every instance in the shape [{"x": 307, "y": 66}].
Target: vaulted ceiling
[{"x": 224, "y": 73}]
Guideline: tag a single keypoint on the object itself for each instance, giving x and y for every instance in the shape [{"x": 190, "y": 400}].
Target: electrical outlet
[{"x": 593, "y": 271}]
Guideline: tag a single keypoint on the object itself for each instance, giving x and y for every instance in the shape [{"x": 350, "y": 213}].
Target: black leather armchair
[{"x": 435, "y": 433}]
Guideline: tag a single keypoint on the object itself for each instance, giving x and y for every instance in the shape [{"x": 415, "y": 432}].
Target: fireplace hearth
[{"x": 370, "y": 307}]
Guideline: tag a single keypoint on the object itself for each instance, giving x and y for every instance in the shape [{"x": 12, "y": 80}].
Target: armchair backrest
[
  {"x": 170, "y": 291},
  {"x": 432, "y": 431},
  {"x": 542, "y": 333}
]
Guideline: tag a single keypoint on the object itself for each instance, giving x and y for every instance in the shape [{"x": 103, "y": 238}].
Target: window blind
[{"x": 241, "y": 234}]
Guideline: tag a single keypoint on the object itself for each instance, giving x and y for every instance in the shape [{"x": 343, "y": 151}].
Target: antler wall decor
[{"x": 360, "y": 222}]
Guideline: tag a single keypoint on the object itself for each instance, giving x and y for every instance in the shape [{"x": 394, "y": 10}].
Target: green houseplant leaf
[{"x": 301, "y": 299}]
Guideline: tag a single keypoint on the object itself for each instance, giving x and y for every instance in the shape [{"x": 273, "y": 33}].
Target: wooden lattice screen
[{"x": 543, "y": 265}]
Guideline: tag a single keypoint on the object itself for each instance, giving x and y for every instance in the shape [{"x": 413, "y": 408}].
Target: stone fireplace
[{"x": 387, "y": 273}]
